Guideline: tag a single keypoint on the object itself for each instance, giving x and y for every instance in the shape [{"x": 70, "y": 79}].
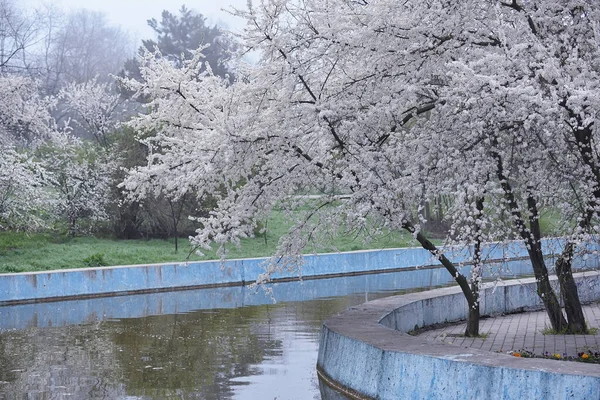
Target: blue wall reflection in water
[{"x": 133, "y": 306}]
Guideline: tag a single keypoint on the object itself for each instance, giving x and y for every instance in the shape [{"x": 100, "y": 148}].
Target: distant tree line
[{"x": 65, "y": 147}]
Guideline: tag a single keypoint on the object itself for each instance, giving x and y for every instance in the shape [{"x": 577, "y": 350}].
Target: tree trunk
[
  {"x": 439, "y": 211},
  {"x": 427, "y": 211},
  {"x": 176, "y": 218},
  {"x": 174, "y": 222},
  {"x": 568, "y": 290},
  {"x": 472, "y": 329},
  {"x": 176, "y": 240},
  {"x": 458, "y": 277},
  {"x": 583, "y": 135},
  {"x": 72, "y": 226},
  {"x": 533, "y": 240},
  {"x": 531, "y": 237},
  {"x": 544, "y": 289}
]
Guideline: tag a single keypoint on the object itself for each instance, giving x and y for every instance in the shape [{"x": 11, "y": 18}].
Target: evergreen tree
[{"x": 179, "y": 36}]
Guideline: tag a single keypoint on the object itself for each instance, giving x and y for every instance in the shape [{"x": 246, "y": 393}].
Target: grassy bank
[{"x": 20, "y": 252}]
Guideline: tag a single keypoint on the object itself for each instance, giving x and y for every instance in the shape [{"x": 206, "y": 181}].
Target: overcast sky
[{"x": 133, "y": 14}]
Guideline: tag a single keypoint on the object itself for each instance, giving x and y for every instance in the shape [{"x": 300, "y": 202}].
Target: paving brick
[{"x": 523, "y": 332}]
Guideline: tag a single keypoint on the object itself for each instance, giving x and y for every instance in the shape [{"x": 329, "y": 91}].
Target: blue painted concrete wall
[
  {"x": 74, "y": 311},
  {"x": 60, "y": 313},
  {"x": 359, "y": 352},
  {"x": 38, "y": 286}
]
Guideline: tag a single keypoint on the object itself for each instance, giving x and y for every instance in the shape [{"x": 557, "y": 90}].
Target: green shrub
[
  {"x": 95, "y": 260},
  {"x": 13, "y": 268}
]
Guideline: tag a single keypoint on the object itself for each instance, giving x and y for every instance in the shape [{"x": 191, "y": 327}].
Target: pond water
[{"x": 222, "y": 343}]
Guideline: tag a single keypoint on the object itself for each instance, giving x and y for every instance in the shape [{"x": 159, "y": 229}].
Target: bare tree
[
  {"x": 78, "y": 47},
  {"x": 18, "y": 33}
]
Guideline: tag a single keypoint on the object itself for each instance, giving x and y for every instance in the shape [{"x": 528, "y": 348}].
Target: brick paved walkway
[{"x": 523, "y": 332}]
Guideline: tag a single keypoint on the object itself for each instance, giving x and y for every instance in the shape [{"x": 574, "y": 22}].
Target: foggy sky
[{"x": 133, "y": 14}]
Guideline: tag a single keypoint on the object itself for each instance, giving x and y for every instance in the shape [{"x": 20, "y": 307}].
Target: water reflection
[
  {"x": 250, "y": 352},
  {"x": 222, "y": 343}
]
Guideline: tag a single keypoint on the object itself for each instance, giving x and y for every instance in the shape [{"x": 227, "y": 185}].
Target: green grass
[
  {"x": 21, "y": 252},
  {"x": 550, "y": 222}
]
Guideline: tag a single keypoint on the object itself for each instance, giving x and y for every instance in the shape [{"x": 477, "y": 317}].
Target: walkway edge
[{"x": 366, "y": 350}]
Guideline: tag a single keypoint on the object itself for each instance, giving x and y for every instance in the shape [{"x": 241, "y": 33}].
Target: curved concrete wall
[
  {"x": 107, "y": 281},
  {"x": 366, "y": 350}
]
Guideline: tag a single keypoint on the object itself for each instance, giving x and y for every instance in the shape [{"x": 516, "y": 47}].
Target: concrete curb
[{"x": 367, "y": 352}]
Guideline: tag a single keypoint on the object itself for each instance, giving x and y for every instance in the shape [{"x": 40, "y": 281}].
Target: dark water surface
[{"x": 222, "y": 343}]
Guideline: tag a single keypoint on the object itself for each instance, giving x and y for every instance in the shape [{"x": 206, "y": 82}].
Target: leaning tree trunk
[
  {"x": 533, "y": 245},
  {"x": 584, "y": 138},
  {"x": 462, "y": 281},
  {"x": 568, "y": 290},
  {"x": 544, "y": 289},
  {"x": 533, "y": 239}
]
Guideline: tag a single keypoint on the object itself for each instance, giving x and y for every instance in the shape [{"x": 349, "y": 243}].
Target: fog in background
[{"x": 132, "y": 15}]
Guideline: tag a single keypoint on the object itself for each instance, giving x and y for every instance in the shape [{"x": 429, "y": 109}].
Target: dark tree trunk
[
  {"x": 439, "y": 211},
  {"x": 472, "y": 328},
  {"x": 568, "y": 290},
  {"x": 458, "y": 277},
  {"x": 533, "y": 244},
  {"x": 176, "y": 218},
  {"x": 544, "y": 289},
  {"x": 176, "y": 239},
  {"x": 583, "y": 135},
  {"x": 175, "y": 222},
  {"x": 72, "y": 226}
]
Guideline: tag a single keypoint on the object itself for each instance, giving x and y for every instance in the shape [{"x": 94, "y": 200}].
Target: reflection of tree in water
[
  {"x": 75, "y": 362},
  {"x": 204, "y": 354},
  {"x": 195, "y": 355}
]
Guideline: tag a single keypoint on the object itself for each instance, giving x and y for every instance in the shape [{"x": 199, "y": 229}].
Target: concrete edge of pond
[
  {"x": 367, "y": 353},
  {"x": 66, "y": 284}
]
